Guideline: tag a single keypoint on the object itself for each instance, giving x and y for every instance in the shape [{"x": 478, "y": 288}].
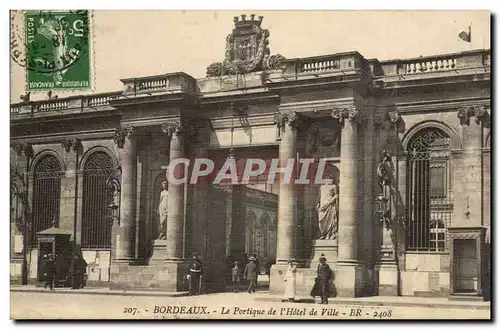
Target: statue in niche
[
  {"x": 328, "y": 210},
  {"x": 163, "y": 211}
]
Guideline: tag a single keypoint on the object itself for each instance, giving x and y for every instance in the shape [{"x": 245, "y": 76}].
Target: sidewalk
[
  {"x": 96, "y": 291},
  {"x": 406, "y": 301}
]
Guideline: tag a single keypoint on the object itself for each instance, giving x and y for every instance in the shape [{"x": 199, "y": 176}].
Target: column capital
[
  {"x": 290, "y": 118},
  {"x": 478, "y": 112},
  {"x": 349, "y": 112},
  {"x": 122, "y": 133},
  {"x": 178, "y": 128}
]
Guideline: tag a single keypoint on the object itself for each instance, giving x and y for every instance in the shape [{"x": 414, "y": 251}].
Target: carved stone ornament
[
  {"x": 28, "y": 150},
  {"x": 394, "y": 116},
  {"x": 349, "y": 112},
  {"x": 17, "y": 147},
  {"x": 478, "y": 112},
  {"x": 283, "y": 118},
  {"x": 120, "y": 135},
  {"x": 66, "y": 144},
  {"x": 246, "y": 50}
]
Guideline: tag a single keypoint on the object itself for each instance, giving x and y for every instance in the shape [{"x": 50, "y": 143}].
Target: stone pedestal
[
  {"x": 159, "y": 251},
  {"x": 160, "y": 276},
  {"x": 348, "y": 279},
  {"x": 329, "y": 248},
  {"x": 387, "y": 277}
]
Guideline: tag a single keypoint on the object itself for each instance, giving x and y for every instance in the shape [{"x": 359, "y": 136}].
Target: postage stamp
[{"x": 58, "y": 50}]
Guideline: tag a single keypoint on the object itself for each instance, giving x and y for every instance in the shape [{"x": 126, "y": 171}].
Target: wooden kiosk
[{"x": 59, "y": 244}]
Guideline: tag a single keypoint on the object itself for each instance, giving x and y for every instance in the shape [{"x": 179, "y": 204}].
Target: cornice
[
  {"x": 440, "y": 105},
  {"x": 325, "y": 105},
  {"x": 56, "y": 138}
]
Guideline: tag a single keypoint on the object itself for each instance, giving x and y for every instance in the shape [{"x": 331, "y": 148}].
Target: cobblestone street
[{"x": 29, "y": 305}]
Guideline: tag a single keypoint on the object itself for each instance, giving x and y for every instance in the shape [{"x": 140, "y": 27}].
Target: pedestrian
[
  {"x": 235, "y": 277},
  {"x": 250, "y": 275},
  {"x": 290, "y": 280},
  {"x": 75, "y": 272},
  {"x": 322, "y": 281},
  {"x": 50, "y": 271},
  {"x": 195, "y": 275},
  {"x": 257, "y": 269}
]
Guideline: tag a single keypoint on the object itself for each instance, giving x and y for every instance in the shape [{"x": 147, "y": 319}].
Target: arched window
[
  {"x": 429, "y": 188},
  {"x": 46, "y": 195},
  {"x": 100, "y": 178}
]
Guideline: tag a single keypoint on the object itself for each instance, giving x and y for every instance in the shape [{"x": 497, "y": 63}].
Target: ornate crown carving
[{"x": 246, "y": 49}]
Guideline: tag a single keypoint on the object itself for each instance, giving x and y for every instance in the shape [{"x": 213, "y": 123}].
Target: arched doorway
[
  {"x": 46, "y": 195},
  {"x": 100, "y": 173},
  {"x": 429, "y": 190}
]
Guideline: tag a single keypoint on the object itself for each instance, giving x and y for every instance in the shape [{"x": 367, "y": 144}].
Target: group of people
[
  {"x": 321, "y": 288},
  {"x": 53, "y": 266},
  {"x": 251, "y": 274}
]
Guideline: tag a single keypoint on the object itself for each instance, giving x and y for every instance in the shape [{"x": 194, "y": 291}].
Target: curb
[
  {"x": 382, "y": 303},
  {"x": 108, "y": 293}
]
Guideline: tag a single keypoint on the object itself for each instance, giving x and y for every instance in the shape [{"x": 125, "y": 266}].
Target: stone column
[
  {"x": 127, "y": 154},
  {"x": 348, "y": 282},
  {"x": 175, "y": 216},
  {"x": 287, "y": 123},
  {"x": 468, "y": 208}
]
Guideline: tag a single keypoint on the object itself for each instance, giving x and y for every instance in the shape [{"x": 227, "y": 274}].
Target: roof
[{"x": 55, "y": 231}]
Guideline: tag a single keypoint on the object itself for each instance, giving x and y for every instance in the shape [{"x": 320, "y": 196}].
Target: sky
[{"x": 141, "y": 43}]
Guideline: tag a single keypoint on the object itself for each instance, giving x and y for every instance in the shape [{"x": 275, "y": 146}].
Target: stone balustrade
[
  {"x": 429, "y": 65},
  {"x": 324, "y": 64},
  {"x": 101, "y": 99},
  {"x": 441, "y": 63},
  {"x": 81, "y": 103},
  {"x": 171, "y": 82}
]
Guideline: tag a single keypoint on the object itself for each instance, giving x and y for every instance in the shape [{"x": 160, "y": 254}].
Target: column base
[
  {"x": 348, "y": 279},
  {"x": 386, "y": 279}
]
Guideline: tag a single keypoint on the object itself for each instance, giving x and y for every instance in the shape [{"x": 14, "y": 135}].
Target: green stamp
[{"x": 58, "y": 50}]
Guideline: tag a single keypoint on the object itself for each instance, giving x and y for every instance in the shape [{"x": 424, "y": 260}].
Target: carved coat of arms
[{"x": 246, "y": 50}]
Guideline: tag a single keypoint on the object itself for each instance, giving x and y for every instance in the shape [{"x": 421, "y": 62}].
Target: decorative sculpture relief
[{"x": 246, "y": 50}]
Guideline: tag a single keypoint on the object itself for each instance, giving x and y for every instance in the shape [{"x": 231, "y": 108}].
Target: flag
[{"x": 465, "y": 36}]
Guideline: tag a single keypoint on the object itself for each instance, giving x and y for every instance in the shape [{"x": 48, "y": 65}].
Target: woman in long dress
[{"x": 290, "y": 280}]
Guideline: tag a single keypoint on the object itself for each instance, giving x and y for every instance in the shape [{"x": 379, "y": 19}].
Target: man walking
[
  {"x": 250, "y": 274},
  {"x": 324, "y": 275}
]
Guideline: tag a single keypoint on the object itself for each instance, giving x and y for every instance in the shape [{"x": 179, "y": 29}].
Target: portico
[{"x": 340, "y": 108}]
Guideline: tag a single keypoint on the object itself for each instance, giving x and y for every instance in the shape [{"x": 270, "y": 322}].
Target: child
[{"x": 235, "y": 277}]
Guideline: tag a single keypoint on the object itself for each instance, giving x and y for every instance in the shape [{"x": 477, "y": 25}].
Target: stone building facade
[{"x": 92, "y": 165}]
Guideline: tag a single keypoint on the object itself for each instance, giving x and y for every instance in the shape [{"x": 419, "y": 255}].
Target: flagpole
[{"x": 470, "y": 37}]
